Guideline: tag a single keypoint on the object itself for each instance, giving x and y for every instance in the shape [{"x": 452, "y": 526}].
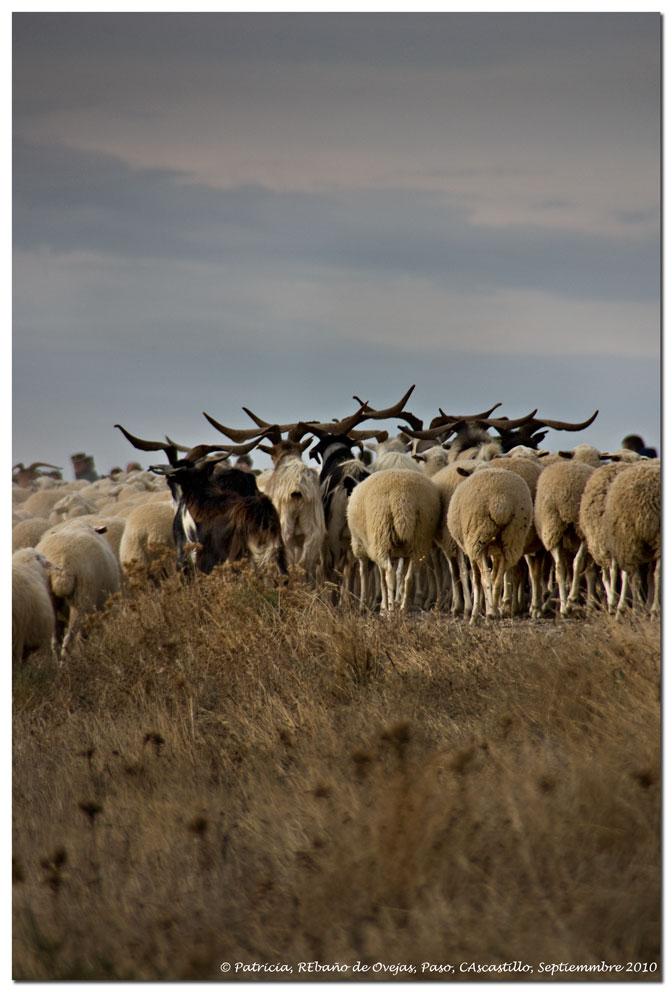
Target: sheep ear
[
  {"x": 101, "y": 530},
  {"x": 463, "y": 471},
  {"x": 565, "y": 454},
  {"x": 543, "y": 454}
]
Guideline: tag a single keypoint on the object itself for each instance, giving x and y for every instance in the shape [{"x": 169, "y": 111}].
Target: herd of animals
[{"x": 448, "y": 516}]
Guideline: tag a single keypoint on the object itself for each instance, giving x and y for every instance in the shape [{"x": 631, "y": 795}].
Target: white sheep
[
  {"x": 20, "y": 515},
  {"x": 556, "y": 518},
  {"x": 380, "y": 448},
  {"x": 127, "y": 506},
  {"x": 395, "y": 461},
  {"x": 148, "y": 534},
  {"x": 489, "y": 517},
  {"x": 27, "y": 533},
  {"x": 446, "y": 481},
  {"x": 72, "y": 505},
  {"x": 632, "y": 524},
  {"x": 594, "y": 529},
  {"x": 584, "y": 453},
  {"x": 42, "y": 502},
  {"x": 393, "y": 518},
  {"x": 83, "y": 575},
  {"x": 528, "y": 469},
  {"x": 33, "y": 620},
  {"x": 19, "y": 494},
  {"x": 433, "y": 460},
  {"x": 113, "y": 532}
]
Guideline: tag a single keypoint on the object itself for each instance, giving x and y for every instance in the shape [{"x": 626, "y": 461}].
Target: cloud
[
  {"x": 67, "y": 200},
  {"x": 286, "y": 209},
  {"x": 500, "y": 113}
]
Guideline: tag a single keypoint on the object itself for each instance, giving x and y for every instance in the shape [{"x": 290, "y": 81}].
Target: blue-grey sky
[{"x": 282, "y": 210}]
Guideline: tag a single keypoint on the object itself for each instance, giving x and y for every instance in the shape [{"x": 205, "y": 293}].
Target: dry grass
[{"x": 228, "y": 772}]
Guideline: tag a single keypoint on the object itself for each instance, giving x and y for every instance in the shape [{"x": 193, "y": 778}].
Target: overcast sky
[{"x": 282, "y": 210}]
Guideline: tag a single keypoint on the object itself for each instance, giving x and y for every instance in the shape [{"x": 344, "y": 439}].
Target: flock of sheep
[{"x": 449, "y": 517}]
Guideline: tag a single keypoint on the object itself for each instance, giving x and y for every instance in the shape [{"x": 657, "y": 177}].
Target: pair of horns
[
  {"x": 296, "y": 431},
  {"x": 191, "y": 454},
  {"x": 503, "y": 425}
]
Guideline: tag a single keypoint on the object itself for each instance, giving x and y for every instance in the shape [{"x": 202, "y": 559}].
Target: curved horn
[
  {"x": 447, "y": 418},
  {"x": 380, "y": 436},
  {"x": 44, "y": 465},
  {"x": 561, "y": 425},
  {"x": 394, "y": 411},
  {"x": 178, "y": 447},
  {"x": 235, "y": 435},
  {"x": 141, "y": 445},
  {"x": 202, "y": 450},
  {"x": 281, "y": 427},
  {"x": 258, "y": 421},
  {"x": 504, "y": 423},
  {"x": 232, "y": 449},
  {"x": 443, "y": 430},
  {"x": 391, "y": 411}
]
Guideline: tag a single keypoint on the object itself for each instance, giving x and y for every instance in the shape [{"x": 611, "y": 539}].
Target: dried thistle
[
  {"x": 199, "y": 826},
  {"x": 399, "y": 735},
  {"x": 156, "y": 739},
  {"x": 91, "y": 809}
]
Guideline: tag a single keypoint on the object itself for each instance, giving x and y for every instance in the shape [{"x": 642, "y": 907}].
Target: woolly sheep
[
  {"x": 528, "y": 469},
  {"x": 446, "y": 481},
  {"x": 593, "y": 527},
  {"x": 46, "y": 482},
  {"x": 623, "y": 455},
  {"x": 76, "y": 485},
  {"x": 27, "y": 533},
  {"x": 393, "y": 517},
  {"x": 522, "y": 451},
  {"x": 433, "y": 460},
  {"x": 114, "y": 528},
  {"x": 142, "y": 478},
  {"x": 586, "y": 454},
  {"x": 632, "y": 523},
  {"x": 33, "y": 620},
  {"x": 42, "y": 502},
  {"x": 380, "y": 448},
  {"x": 125, "y": 508},
  {"x": 72, "y": 505},
  {"x": 556, "y": 518},
  {"x": 83, "y": 575},
  {"x": 148, "y": 533},
  {"x": 490, "y": 516},
  {"x": 395, "y": 460},
  {"x": 20, "y": 515}
]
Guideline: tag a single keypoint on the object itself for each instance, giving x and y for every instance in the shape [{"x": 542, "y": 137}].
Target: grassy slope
[{"x": 278, "y": 781}]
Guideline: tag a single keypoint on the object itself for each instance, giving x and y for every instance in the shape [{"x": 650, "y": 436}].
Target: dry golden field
[{"x": 226, "y": 772}]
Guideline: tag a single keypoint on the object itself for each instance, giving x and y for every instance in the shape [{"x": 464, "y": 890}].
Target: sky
[{"x": 284, "y": 210}]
